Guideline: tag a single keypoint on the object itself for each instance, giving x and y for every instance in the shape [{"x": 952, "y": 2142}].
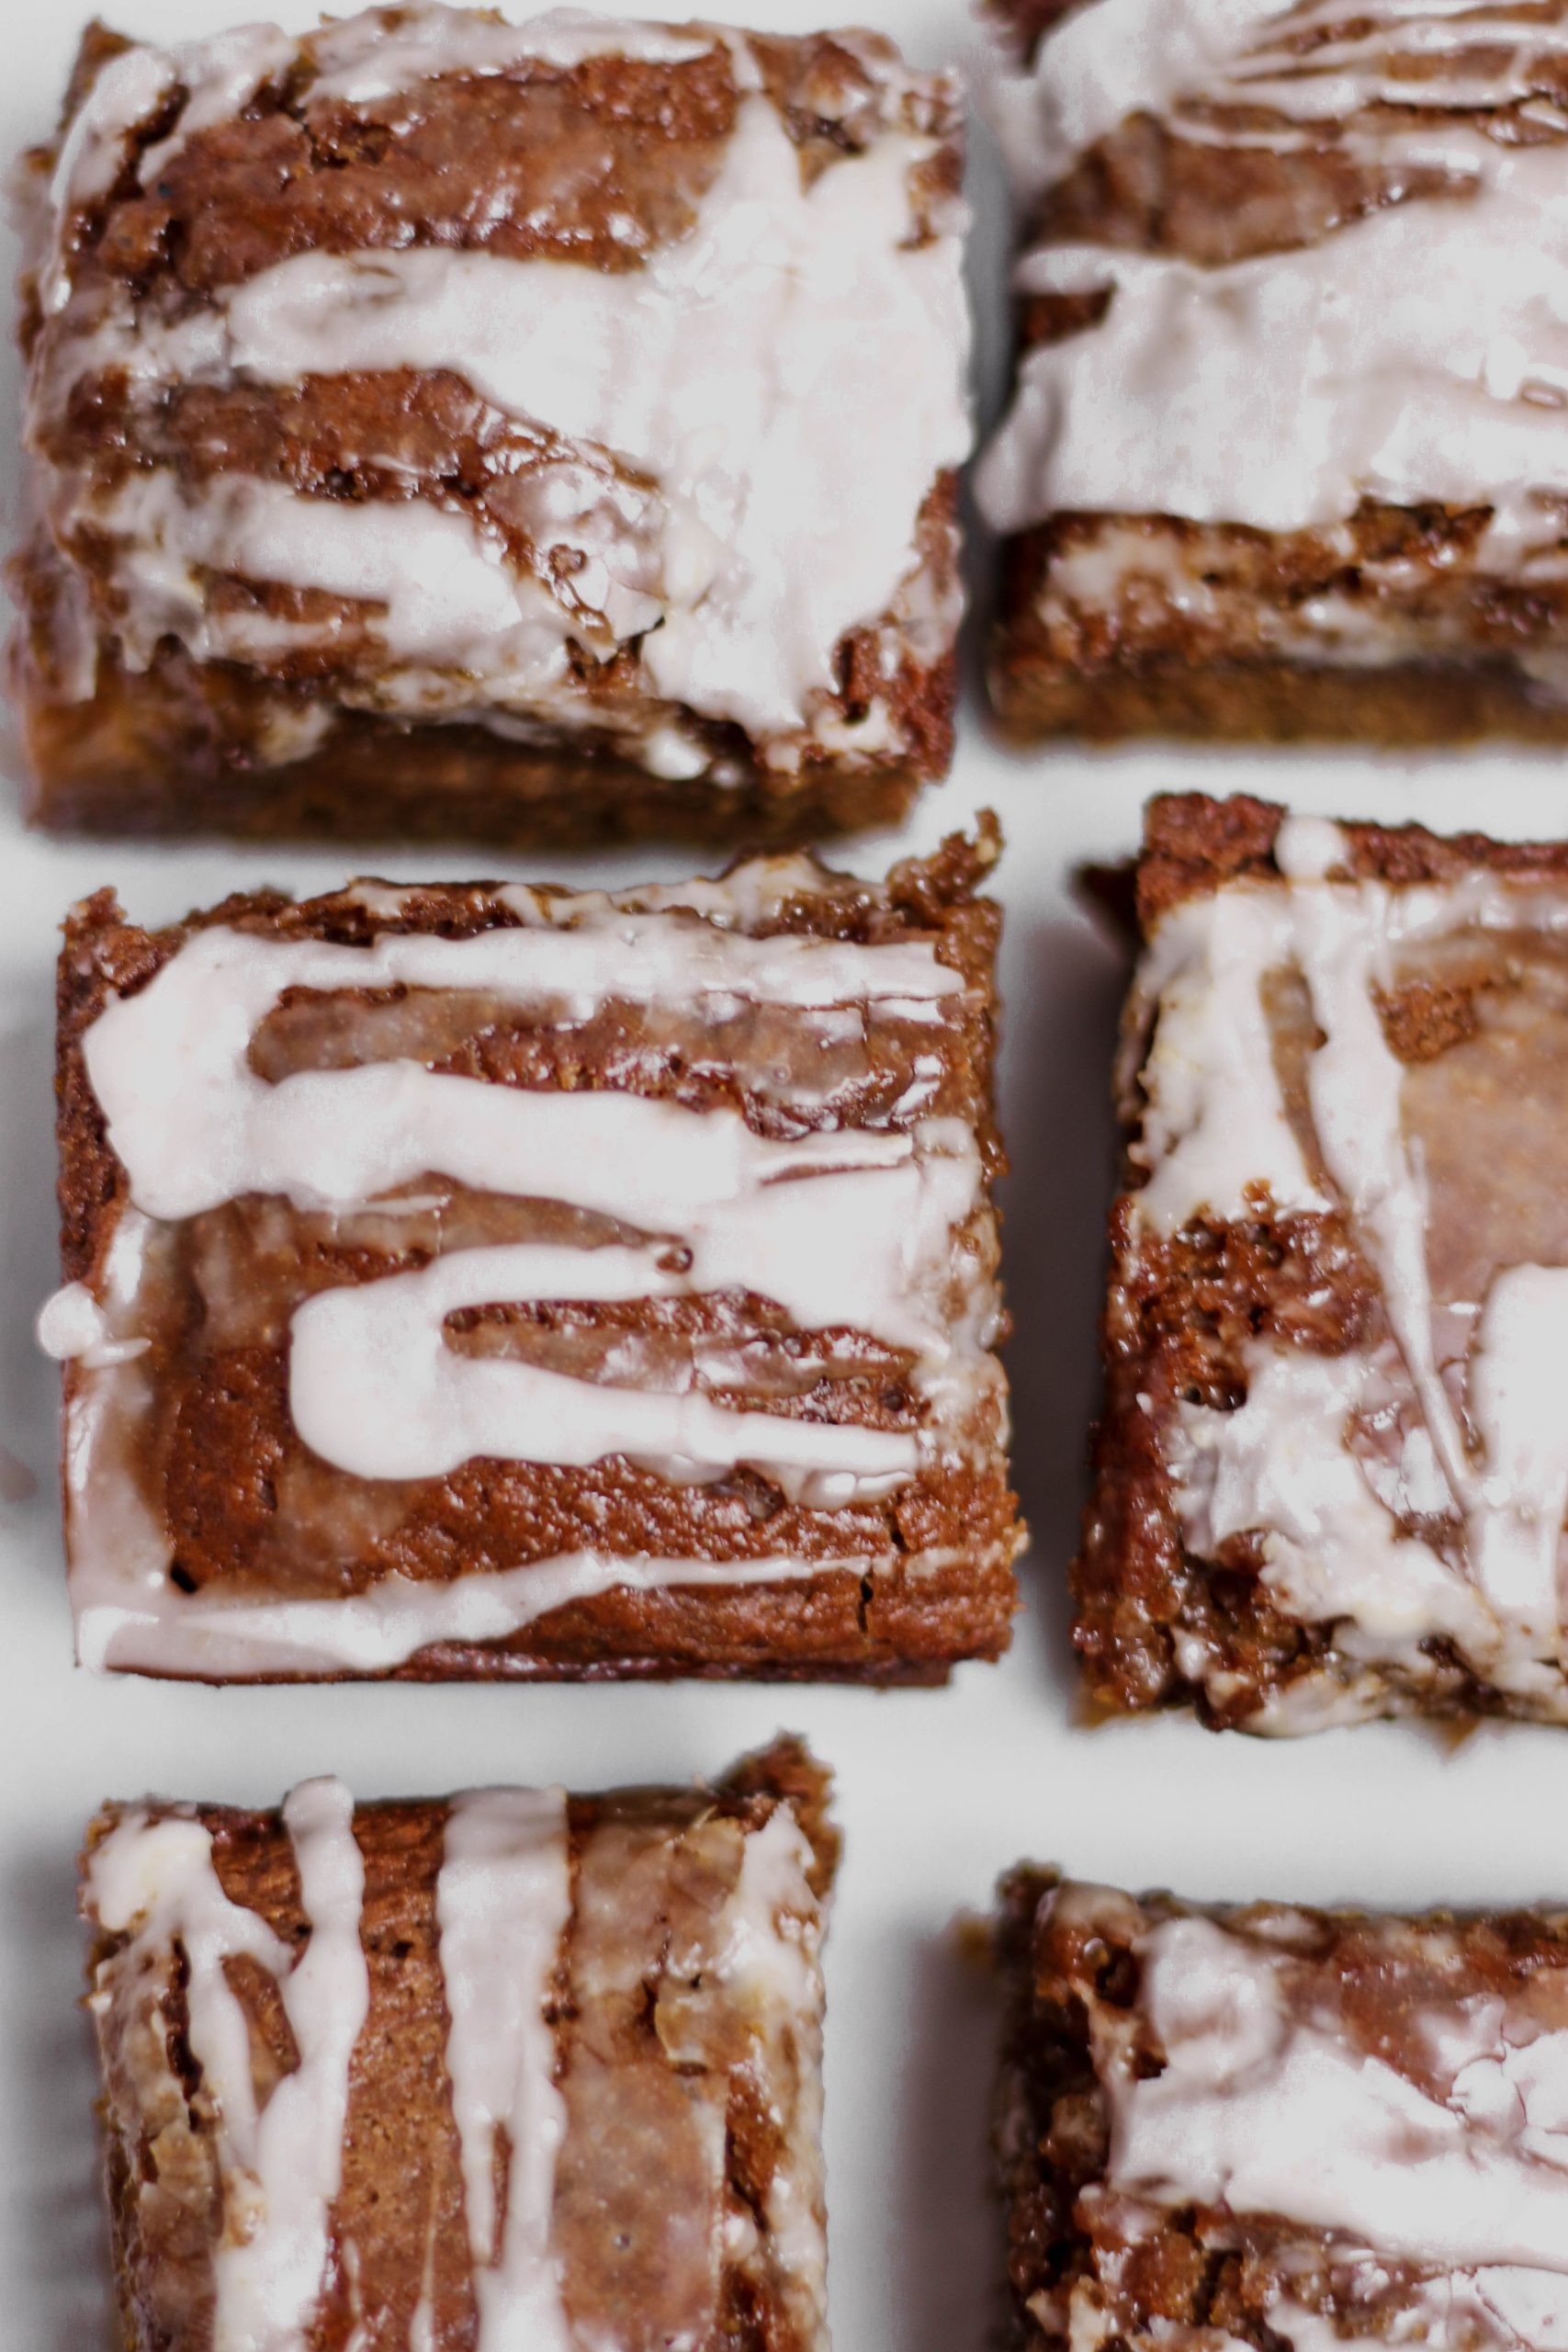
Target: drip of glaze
[
  {"x": 281, "y": 2168},
  {"x": 503, "y": 1898},
  {"x": 374, "y": 1388},
  {"x": 772, "y": 1966},
  {"x": 1108, "y": 62},
  {"x": 1354, "y": 1080},
  {"x": 299, "y": 2136},
  {"x": 364, "y": 59},
  {"x": 73, "y": 1328},
  {"x": 1519, "y": 1401}
]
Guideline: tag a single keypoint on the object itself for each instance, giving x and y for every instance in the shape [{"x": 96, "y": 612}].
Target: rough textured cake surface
[
  {"x": 1275, "y": 2127},
  {"x": 508, "y": 2068},
  {"x": 1332, "y": 1473},
  {"x": 479, "y": 1279},
  {"x": 441, "y": 425},
  {"x": 1284, "y": 456}
]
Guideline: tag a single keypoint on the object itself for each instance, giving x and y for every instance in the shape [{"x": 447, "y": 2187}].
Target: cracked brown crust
[
  {"x": 600, "y": 164},
  {"x": 1193, "y": 2266},
  {"x": 402, "y": 2199},
  {"x": 227, "y": 1449},
  {"x": 1178, "y": 1314}
]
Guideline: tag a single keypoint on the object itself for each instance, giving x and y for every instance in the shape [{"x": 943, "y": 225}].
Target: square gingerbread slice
[
  {"x": 509, "y": 2068},
  {"x": 477, "y": 1280},
  {"x": 1278, "y": 2129},
  {"x": 1285, "y": 456},
  {"x": 1332, "y": 1473},
  {"x": 536, "y": 432}
]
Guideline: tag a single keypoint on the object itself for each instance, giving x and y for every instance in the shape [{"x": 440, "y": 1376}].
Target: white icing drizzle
[
  {"x": 1416, "y": 354},
  {"x": 1354, "y": 1084},
  {"x": 337, "y": 1138},
  {"x": 1111, "y": 60},
  {"x": 1214, "y": 1130},
  {"x": 280, "y": 2168},
  {"x": 1201, "y": 1077},
  {"x": 844, "y": 1226},
  {"x": 128, "y": 1618},
  {"x": 1517, "y": 1397},
  {"x": 435, "y": 589},
  {"x": 365, "y": 58},
  {"x": 195, "y": 1125},
  {"x": 1313, "y": 69},
  {"x": 219, "y": 76},
  {"x": 772, "y": 1967},
  {"x": 1279, "y": 1462},
  {"x": 374, "y": 1389},
  {"x": 1265, "y": 2111},
  {"x": 503, "y": 1899},
  {"x": 1108, "y": 60},
  {"x": 126, "y": 90},
  {"x": 73, "y": 1328},
  {"x": 790, "y": 375}
]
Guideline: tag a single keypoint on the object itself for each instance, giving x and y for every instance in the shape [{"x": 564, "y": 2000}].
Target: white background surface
[{"x": 938, "y": 1792}]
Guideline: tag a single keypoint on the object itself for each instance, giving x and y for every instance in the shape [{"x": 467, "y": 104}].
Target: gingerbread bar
[
  {"x": 511, "y": 2067},
  {"x": 1285, "y": 456},
  {"x": 477, "y": 1280},
  {"x": 1273, "y": 2126},
  {"x": 539, "y": 433},
  {"x": 1332, "y": 1473}
]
